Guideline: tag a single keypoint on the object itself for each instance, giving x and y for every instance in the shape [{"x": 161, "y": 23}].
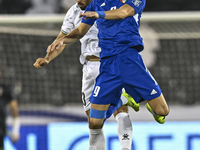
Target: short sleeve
[
  {"x": 138, "y": 5},
  {"x": 68, "y": 24},
  {"x": 90, "y": 7}
]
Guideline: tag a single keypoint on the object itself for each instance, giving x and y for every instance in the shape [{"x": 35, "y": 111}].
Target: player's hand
[
  {"x": 14, "y": 137},
  {"x": 89, "y": 14},
  {"x": 57, "y": 44},
  {"x": 40, "y": 62}
]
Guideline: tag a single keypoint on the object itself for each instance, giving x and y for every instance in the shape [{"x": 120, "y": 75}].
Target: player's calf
[
  {"x": 158, "y": 108},
  {"x": 159, "y": 105},
  {"x": 160, "y": 119},
  {"x": 124, "y": 130}
]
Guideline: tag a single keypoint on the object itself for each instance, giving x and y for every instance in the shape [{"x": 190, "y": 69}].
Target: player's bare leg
[
  {"x": 88, "y": 113},
  {"x": 95, "y": 123},
  {"x": 158, "y": 108},
  {"x": 96, "y": 119},
  {"x": 124, "y": 127}
]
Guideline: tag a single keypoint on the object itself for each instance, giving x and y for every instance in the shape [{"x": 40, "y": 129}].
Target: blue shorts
[
  {"x": 112, "y": 109},
  {"x": 124, "y": 70}
]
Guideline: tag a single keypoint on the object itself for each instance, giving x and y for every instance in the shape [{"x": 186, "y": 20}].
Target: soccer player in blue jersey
[
  {"x": 89, "y": 58},
  {"x": 121, "y": 64}
]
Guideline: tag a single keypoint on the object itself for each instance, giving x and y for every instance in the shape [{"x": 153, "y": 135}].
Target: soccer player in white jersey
[{"x": 90, "y": 59}]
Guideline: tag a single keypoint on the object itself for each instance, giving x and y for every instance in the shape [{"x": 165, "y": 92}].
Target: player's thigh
[
  {"x": 107, "y": 90},
  {"x": 90, "y": 72},
  {"x": 97, "y": 115},
  {"x": 88, "y": 112},
  {"x": 159, "y": 105}
]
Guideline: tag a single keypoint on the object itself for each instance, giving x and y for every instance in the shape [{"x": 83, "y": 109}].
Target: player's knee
[
  {"x": 96, "y": 118},
  {"x": 166, "y": 111},
  {"x": 95, "y": 123},
  {"x": 122, "y": 109},
  {"x": 163, "y": 111}
]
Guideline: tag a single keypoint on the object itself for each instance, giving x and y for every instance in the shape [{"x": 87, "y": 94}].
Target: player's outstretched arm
[
  {"x": 70, "y": 38},
  {"x": 121, "y": 13},
  {"x": 58, "y": 45},
  {"x": 41, "y": 62}
]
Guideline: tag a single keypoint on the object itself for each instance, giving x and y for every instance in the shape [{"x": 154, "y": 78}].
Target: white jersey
[{"x": 89, "y": 43}]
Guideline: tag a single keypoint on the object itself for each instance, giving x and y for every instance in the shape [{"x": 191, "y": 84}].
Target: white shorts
[{"x": 90, "y": 72}]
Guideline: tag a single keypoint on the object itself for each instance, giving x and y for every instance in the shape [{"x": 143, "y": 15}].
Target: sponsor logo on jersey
[
  {"x": 123, "y": 1},
  {"x": 136, "y": 2}
]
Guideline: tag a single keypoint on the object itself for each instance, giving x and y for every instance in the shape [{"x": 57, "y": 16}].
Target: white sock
[
  {"x": 96, "y": 140},
  {"x": 124, "y": 130}
]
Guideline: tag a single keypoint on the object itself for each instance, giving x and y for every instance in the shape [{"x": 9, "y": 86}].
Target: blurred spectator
[
  {"x": 44, "y": 7},
  {"x": 6, "y": 99},
  {"x": 14, "y": 6}
]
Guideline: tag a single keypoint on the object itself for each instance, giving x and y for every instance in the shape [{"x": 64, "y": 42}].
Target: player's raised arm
[
  {"x": 121, "y": 13},
  {"x": 58, "y": 45},
  {"x": 70, "y": 38},
  {"x": 40, "y": 62}
]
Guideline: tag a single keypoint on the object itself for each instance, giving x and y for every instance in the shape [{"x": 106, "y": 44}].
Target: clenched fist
[{"x": 40, "y": 62}]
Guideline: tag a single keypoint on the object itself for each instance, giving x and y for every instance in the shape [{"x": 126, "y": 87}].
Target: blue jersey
[{"x": 116, "y": 36}]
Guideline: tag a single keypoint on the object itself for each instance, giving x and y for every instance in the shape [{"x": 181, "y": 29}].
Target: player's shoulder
[
  {"x": 74, "y": 8},
  {"x": 73, "y": 11}
]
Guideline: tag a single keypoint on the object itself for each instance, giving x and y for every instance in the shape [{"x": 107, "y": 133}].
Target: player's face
[{"x": 83, "y": 3}]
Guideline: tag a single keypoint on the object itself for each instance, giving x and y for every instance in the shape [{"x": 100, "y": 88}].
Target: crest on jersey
[
  {"x": 123, "y": 1},
  {"x": 136, "y": 2}
]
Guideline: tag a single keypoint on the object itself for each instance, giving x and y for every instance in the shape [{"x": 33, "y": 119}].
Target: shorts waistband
[
  {"x": 127, "y": 52},
  {"x": 87, "y": 62},
  {"x": 92, "y": 58}
]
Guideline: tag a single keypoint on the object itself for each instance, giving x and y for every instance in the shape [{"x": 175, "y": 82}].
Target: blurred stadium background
[{"x": 50, "y": 98}]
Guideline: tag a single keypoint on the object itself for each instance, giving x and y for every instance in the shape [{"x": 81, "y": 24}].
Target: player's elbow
[{"x": 122, "y": 16}]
